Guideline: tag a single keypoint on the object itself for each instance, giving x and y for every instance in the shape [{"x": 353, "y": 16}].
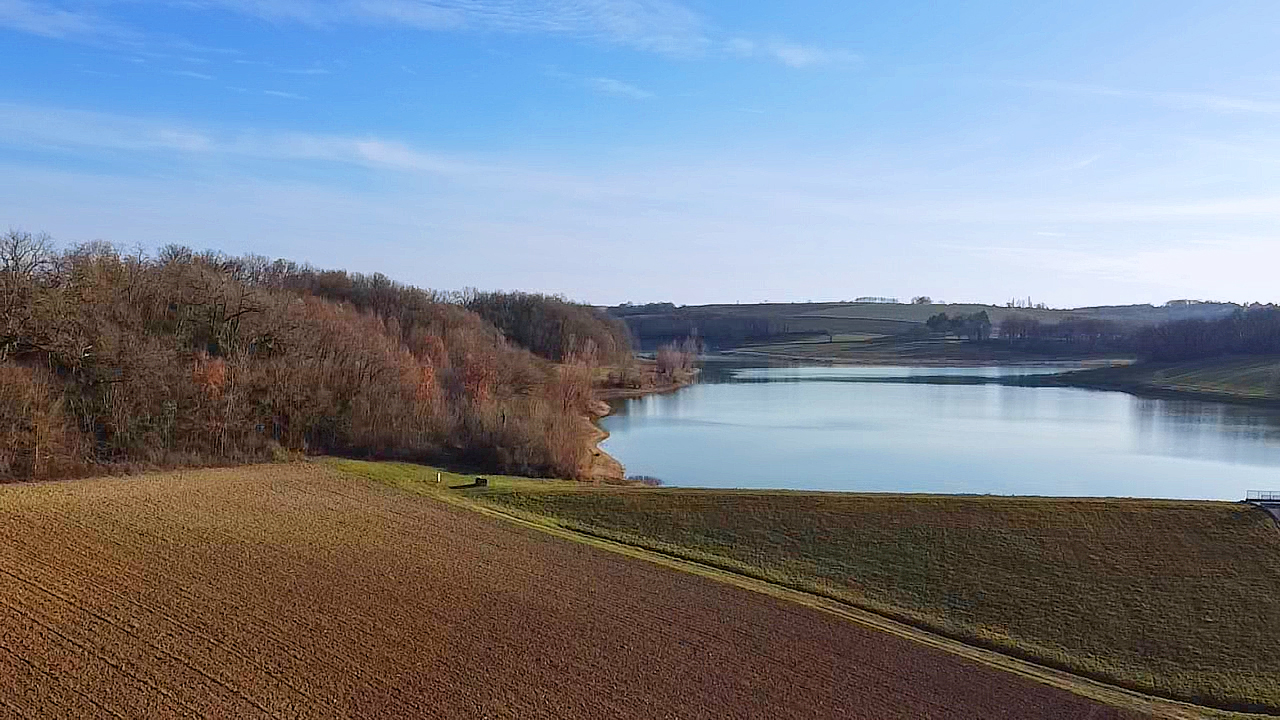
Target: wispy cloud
[
  {"x": 1175, "y": 265},
  {"x": 601, "y": 85},
  {"x": 800, "y": 56},
  {"x": 788, "y": 53},
  {"x": 1183, "y": 100},
  {"x": 1047, "y": 238},
  {"x": 617, "y": 88},
  {"x": 35, "y": 127},
  {"x": 283, "y": 94},
  {"x": 191, "y": 74},
  {"x": 1084, "y": 162},
  {"x": 658, "y": 25},
  {"x": 662, "y": 26},
  {"x": 48, "y": 21}
]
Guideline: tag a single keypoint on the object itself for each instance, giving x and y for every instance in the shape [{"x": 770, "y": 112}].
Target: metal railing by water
[{"x": 1262, "y": 496}]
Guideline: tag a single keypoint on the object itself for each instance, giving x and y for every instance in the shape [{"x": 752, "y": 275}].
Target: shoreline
[
  {"x": 1177, "y": 381},
  {"x": 1156, "y": 392},
  {"x": 603, "y": 467},
  {"x": 898, "y": 360},
  {"x": 1096, "y": 374}
]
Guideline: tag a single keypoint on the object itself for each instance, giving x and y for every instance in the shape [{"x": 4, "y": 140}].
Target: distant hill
[{"x": 729, "y": 326}]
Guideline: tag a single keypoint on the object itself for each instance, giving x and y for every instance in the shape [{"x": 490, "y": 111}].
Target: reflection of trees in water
[
  {"x": 753, "y": 373},
  {"x": 1196, "y": 429},
  {"x": 671, "y": 404},
  {"x": 1186, "y": 429}
]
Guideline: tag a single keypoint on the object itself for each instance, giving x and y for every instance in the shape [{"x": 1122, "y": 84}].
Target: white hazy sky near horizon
[{"x": 650, "y": 150}]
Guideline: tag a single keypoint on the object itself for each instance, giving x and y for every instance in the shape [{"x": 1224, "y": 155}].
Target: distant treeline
[
  {"x": 1253, "y": 331},
  {"x": 110, "y": 359},
  {"x": 1247, "y": 331},
  {"x": 1067, "y": 335},
  {"x": 974, "y": 326},
  {"x": 1177, "y": 331},
  {"x": 667, "y": 324}
]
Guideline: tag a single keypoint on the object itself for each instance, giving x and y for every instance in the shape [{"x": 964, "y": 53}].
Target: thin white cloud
[
  {"x": 57, "y": 129},
  {"x": 283, "y": 94},
  {"x": 662, "y": 26},
  {"x": 602, "y": 85},
  {"x": 39, "y": 19},
  {"x": 1084, "y": 163},
  {"x": 788, "y": 53},
  {"x": 1046, "y": 236},
  {"x": 802, "y": 56},
  {"x": 1182, "y": 100},
  {"x": 617, "y": 88},
  {"x": 657, "y": 25},
  {"x": 191, "y": 74},
  {"x": 1175, "y": 265}
]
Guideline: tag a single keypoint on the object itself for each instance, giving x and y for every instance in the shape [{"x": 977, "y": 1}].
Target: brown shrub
[{"x": 37, "y": 440}]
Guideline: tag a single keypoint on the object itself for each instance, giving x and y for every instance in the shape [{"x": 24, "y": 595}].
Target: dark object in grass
[{"x": 477, "y": 483}]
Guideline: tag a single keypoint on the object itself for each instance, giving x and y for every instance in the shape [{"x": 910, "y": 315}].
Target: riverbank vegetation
[
  {"x": 1170, "y": 598},
  {"x": 115, "y": 360}
]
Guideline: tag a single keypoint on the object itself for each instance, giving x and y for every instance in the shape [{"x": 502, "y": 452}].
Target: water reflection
[
  {"x": 1231, "y": 433},
  {"x": 855, "y": 429}
]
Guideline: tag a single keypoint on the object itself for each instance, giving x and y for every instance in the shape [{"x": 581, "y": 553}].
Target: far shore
[{"x": 1245, "y": 380}]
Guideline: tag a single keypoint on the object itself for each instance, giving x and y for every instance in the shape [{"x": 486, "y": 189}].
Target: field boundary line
[{"x": 1113, "y": 695}]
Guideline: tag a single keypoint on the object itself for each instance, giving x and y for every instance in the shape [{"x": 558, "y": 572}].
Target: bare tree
[{"x": 25, "y": 260}]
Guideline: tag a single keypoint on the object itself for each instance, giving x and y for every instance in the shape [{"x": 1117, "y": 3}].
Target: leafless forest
[{"x": 110, "y": 359}]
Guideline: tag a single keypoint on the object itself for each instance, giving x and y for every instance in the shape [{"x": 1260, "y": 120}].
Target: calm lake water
[{"x": 855, "y": 429}]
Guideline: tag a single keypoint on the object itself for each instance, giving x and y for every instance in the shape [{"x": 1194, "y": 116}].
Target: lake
[{"x": 858, "y": 429}]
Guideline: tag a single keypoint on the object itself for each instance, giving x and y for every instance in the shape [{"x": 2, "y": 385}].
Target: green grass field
[
  {"x": 1177, "y": 599},
  {"x": 1248, "y": 378}
]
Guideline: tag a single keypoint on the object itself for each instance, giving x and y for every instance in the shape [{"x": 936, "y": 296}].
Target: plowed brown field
[{"x": 294, "y": 592}]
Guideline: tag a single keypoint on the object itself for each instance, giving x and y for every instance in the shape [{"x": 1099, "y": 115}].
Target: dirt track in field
[{"x": 292, "y": 592}]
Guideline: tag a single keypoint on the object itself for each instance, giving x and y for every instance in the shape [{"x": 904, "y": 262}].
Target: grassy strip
[
  {"x": 1245, "y": 380},
  {"x": 1173, "y": 599}
]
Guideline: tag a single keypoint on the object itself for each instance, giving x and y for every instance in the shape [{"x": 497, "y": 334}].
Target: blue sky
[{"x": 644, "y": 150}]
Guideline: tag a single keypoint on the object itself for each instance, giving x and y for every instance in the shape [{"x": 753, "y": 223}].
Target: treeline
[
  {"x": 554, "y": 327},
  {"x": 973, "y": 326},
  {"x": 110, "y": 359},
  {"x": 1066, "y": 335},
  {"x": 1251, "y": 331},
  {"x": 715, "y": 329}
]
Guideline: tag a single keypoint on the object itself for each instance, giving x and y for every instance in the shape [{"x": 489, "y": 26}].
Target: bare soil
[{"x": 295, "y": 592}]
